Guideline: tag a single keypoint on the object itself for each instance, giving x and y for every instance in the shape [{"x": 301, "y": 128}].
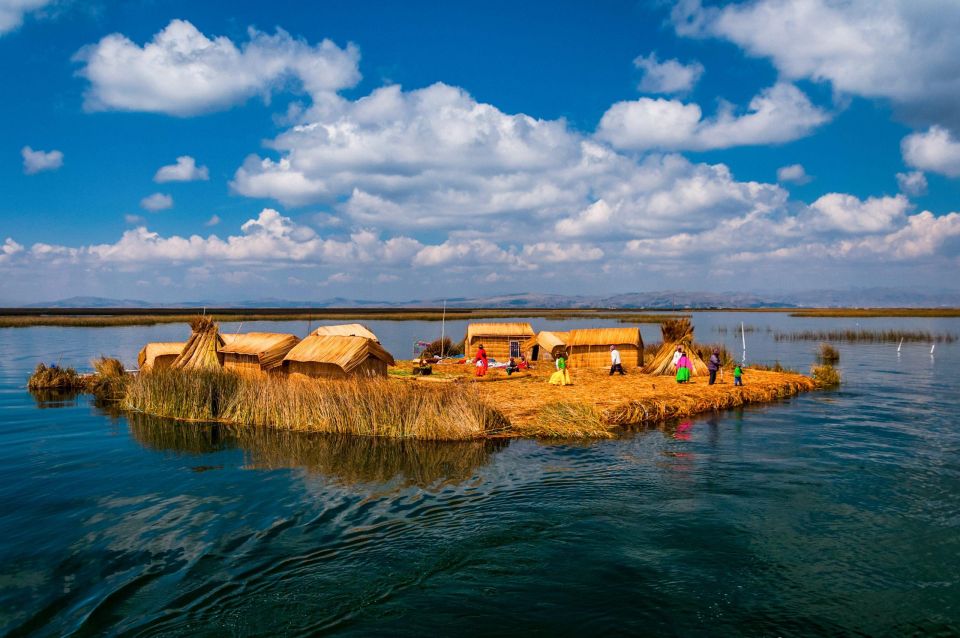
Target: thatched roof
[
  {"x": 345, "y": 351},
  {"x": 605, "y": 337},
  {"x": 547, "y": 340},
  {"x": 151, "y": 351},
  {"x": 268, "y": 347},
  {"x": 346, "y": 330},
  {"x": 202, "y": 349},
  {"x": 498, "y": 329}
]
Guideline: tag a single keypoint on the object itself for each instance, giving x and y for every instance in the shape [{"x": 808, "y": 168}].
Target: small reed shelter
[
  {"x": 590, "y": 348},
  {"x": 159, "y": 355},
  {"x": 545, "y": 346},
  {"x": 337, "y": 357},
  {"x": 501, "y": 340},
  {"x": 346, "y": 330},
  {"x": 676, "y": 333},
  {"x": 256, "y": 352},
  {"x": 202, "y": 350}
]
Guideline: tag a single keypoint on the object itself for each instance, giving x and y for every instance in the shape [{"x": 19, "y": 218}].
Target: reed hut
[
  {"x": 545, "y": 346},
  {"x": 346, "y": 330},
  {"x": 202, "y": 350},
  {"x": 590, "y": 347},
  {"x": 676, "y": 332},
  {"x": 334, "y": 356},
  {"x": 158, "y": 355},
  {"x": 501, "y": 340},
  {"x": 256, "y": 352}
]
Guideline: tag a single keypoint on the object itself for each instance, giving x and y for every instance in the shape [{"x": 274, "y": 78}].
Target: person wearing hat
[{"x": 615, "y": 363}]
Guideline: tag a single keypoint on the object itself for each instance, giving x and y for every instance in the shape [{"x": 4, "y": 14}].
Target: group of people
[
  {"x": 483, "y": 363},
  {"x": 681, "y": 363}
]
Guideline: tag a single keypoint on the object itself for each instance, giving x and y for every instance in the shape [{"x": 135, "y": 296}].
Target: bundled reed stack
[
  {"x": 676, "y": 332},
  {"x": 202, "y": 351}
]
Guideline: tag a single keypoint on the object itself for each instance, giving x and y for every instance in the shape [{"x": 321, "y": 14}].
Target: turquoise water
[{"x": 831, "y": 513}]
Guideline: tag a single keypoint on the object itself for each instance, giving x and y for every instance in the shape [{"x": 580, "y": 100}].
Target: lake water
[{"x": 832, "y": 513}]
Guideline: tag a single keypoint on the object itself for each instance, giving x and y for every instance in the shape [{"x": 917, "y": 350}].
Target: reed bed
[
  {"x": 825, "y": 375},
  {"x": 876, "y": 312},
  {"x": 368, "y": 407},
  {"x": 867, "y": 336},
  {"x": 827, "y": 354},
  {"x": 106, "y": 318},
  {"x": 53, "y": 377}
]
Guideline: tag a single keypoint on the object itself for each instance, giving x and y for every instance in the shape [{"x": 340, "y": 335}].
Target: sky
[{"x": 171, "y": 151}]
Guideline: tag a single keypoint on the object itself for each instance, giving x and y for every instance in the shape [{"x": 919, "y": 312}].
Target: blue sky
[{"x": 170, "y": 151}]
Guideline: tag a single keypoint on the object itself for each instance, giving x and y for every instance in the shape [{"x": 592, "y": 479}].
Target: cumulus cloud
[
  {"x": 935, "y": 151},
  {"x": 913, "y": 183},
  {"x": 794, "y": 173},
  {"x": 38, "y": 161},
  {"x": 849, "y": 214},
  {"x": 185, "y": 170},
  {"x": 12, "y": 12},
  {"x": 183, "y": 72},
  {"x": 213, "y": 221},
  {"x": 669, "y": 76},
  {"x": 779, "y": 114},
  {"x": 156, "y": 202},
  {"x": 902, "y": 51},
  {"x": 8, "y": 249}
]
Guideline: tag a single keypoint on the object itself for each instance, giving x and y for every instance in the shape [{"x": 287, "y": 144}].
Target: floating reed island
[{"x": 340, "y": 380}]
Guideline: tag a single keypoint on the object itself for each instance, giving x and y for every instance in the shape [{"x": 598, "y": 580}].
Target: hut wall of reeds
[
  {"x": 676, "y": 332},
  {"x": 497, "y": 338},
  {"x": 256, "y": 352},
  {"x": 159, "y": 355},
  {"x": 590, "y": 348},
  {"x": 346, "y": 330},
  {"x": 333, "y": 356},
  {"x": 545, "y": 346}
]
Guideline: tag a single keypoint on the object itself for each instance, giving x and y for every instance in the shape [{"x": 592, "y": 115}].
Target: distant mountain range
[{"x": 667, "y": 299}]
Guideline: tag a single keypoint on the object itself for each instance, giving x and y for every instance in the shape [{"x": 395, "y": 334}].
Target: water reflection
[
  {"x": 46, "y": 399},
  {"x": 345, "y": 459}
]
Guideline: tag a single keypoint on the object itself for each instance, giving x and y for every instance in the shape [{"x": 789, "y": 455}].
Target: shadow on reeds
[{"x": 344, "y": 459}]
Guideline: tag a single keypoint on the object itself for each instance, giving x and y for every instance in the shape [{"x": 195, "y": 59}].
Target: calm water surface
[{"x": 832, "y": 513}]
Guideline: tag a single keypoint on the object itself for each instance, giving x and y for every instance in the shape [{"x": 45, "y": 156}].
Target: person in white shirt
[{"x": 615, "y": 364}]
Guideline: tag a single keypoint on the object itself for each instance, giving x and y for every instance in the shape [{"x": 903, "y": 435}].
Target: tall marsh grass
[
  {"x": 826, "y": 353},
  {"x": 867, "y": 336},
  {"x": 368, "y": 407}
]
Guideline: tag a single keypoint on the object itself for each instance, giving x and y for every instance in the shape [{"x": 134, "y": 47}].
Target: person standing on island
[
  {"x": 561, "y": 376},
  {"x": 714, "y": 365},
  {"x": 482, "y": 364},
  {"x": 676, "y": 357},
  {"x": 615, "y": 364},
  {"x": 737, "y": 374},
  {"x": 684, "y": 368}
]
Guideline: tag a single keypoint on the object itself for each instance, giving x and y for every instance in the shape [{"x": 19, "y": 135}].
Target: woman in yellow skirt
[{"x": 562, "y": 375}]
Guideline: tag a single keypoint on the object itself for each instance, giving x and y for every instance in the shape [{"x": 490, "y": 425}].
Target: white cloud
[
  {"x": 183, "y": 72},
  {"x": 135, "y": 220},
  {"x": 8, "y": 249},
  {"x": 935, "y": 151},
  {"x": 213, "y": 221},
  {"x": 156, "y": 202},
  {"x": 669, "y": 76},
  {"x": 13, "y": 11},
  {"x": 794, "y": 173},
  {"x": 781, "y": 113},
  {"x": 185, "y": 170},
  {"x": 846, "y": 213},
  {"x": 38, "y": 161},
  {"x": 902, "y": 51},
  {"x": 913, "y": 183}
]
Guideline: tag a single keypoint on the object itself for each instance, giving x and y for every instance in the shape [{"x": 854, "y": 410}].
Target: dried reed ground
[{"x": 597, "y": 403}]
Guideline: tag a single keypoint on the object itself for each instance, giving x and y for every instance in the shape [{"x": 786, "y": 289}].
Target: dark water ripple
[{"x": 833, "y": 513}]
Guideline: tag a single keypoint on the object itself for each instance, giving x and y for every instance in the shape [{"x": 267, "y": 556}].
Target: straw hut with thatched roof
[
  {"x": 590, "y": 347},
  {"x": 545, "y": 346},
  {"x": 501, "y": 340},
  {"x": 202, "y": 350},
  {"x": 256, "y": 352},
  {"x": 346, "y": 330},
  {"x": 334, "y": 356},
  {"x": 158, "y": 355},
  {"x": 676, "y": 332}
]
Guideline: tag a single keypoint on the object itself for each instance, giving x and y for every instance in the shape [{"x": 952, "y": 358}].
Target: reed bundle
[
  {"x": 202, "y": 351},
  {"x": 676, "y": 332}
]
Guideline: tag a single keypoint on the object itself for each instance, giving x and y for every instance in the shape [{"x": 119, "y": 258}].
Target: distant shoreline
[{"x": 107, "y": 317}]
